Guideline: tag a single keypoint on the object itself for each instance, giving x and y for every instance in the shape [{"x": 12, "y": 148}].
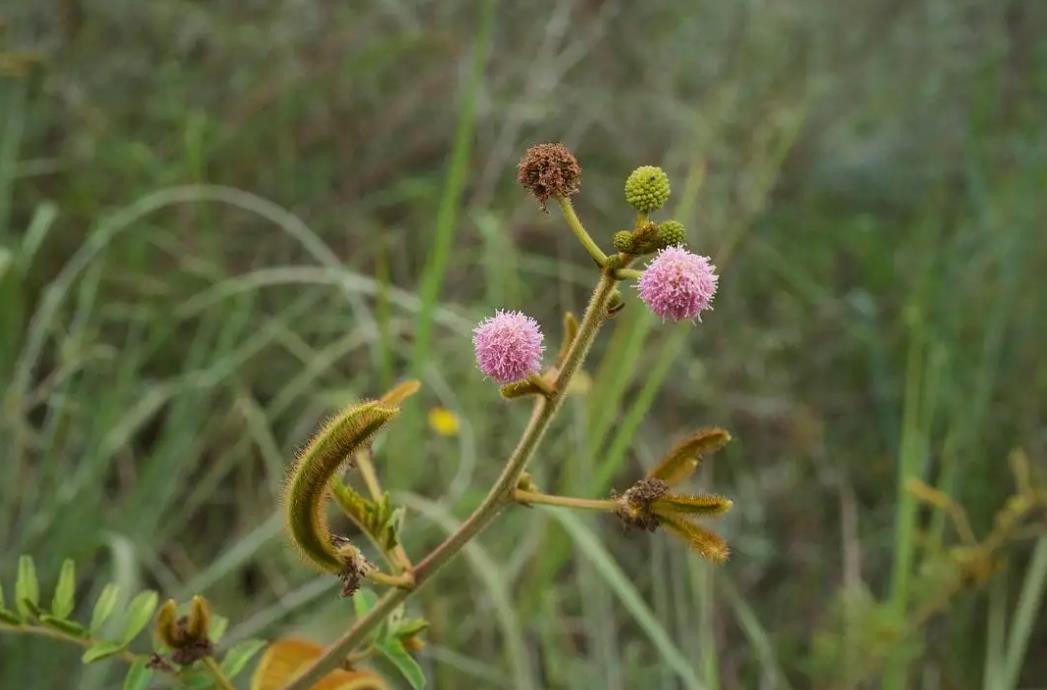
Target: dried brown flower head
[
  {"x": 635, "y": 504},
  {"x": 549, "y": 170}
]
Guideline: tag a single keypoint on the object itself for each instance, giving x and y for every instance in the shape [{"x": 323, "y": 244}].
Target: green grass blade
[
  {"x": 590, "y": 546},
  {"x": 1026, "y": 614}
]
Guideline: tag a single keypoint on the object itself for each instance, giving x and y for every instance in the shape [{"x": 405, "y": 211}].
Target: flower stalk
[{"x": 534, "y": 498}]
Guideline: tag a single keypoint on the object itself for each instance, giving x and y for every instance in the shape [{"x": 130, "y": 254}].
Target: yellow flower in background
[
  {"x": 581, "y": 384},
  {"x": 443, "y": 421}
]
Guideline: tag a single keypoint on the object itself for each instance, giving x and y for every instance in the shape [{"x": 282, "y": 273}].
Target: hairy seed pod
[
  {"x": 199, "y": 620},
  {"x": 307, "y": 486},
  {"x": 165, "y": 626},
  {"x": 680, "y": 462},
  {"x": 705, "y": 543},
  {"x": 701, "y": 504}
]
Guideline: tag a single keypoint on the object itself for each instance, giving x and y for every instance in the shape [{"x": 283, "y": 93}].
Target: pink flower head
[
  {"x": 508, "y": 346},
  {"x": 677, "y": 284}
]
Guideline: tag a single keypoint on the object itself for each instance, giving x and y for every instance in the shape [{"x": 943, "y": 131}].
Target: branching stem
[{"x": 500, "y": 494}]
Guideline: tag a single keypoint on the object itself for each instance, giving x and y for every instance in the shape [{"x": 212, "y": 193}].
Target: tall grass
[{"x": 220, "y": 225}]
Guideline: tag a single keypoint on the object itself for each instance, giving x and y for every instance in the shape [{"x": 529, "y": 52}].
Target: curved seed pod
[
  {"x": 307, "y": 485},
  {"x": 705, "y": 543},
  {"x": 680, "y": 462},
  {"x": 701, "y": 504}
]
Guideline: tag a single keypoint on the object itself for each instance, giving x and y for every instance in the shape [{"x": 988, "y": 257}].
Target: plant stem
[
  {"x": 529, "y": 497},
  {"x": 402, "y": 580},
  {"x": 126, "y": 655},
  {"x": 579, "y": 231},
  {"x": 628, "y": 274},
  {"x": 212, "y": 667},
  {"x": 497, "y": 498}
]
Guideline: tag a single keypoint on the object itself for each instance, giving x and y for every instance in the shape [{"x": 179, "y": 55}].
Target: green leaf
[
  {"x": 101, "y": 650},
  {"x": 239, "y": 655},
  {"x": 104, "y": 606},
  {"x": 218, "y": 626},
  {"x": 139, "y": 612},
  {"x": 27, "y": 588},
  {"x": 65, "y": 591},
  {"x": 63, "y": 626},
  {"x": 138, "y": 676},
  {"x": 364, "y": 601},
  {"x": 392, "y": 650}
]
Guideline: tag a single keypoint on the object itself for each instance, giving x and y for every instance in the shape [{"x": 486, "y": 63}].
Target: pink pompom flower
[
  {"x": 508, "y": 346},
  {"x": 677, "y": 284}
]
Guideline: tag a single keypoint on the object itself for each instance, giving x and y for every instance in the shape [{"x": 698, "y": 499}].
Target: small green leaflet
[
  {"x": 65, "y": 591},
  {"x": 101, "y": 650},
  {"x": 139, "y": 612},
  {"x": 104, "y": 606},
  {"x": 27, "y": 588}
]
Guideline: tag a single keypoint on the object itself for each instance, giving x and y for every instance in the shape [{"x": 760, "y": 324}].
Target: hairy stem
[
  {"x": 530, "y": 497},
  {"x": 579, "y": 231},
  {"x": 498, "y": 497}
]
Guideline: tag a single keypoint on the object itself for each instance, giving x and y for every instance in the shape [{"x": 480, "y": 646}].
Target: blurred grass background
[{"x": 219, "y": 221}]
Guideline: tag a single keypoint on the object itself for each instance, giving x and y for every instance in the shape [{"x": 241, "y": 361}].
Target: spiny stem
[
  {"x": 497, "y": 498},
  {"x": 579, "y": 231},
  {"x": 529, "y": 497},
  {"x": 212, "y": 667}
]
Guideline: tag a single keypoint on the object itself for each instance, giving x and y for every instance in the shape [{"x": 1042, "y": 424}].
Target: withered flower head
[
  {"x": 635, "y": 504},
  {"x": 648, "y": 504},
  {"x": 187, "y": 636},
  {"x": 356, "y": 567},
  {"x": 549, "y": 170}
]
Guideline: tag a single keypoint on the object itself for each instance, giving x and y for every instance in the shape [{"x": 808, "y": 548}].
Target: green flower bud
[
  {"x": 623, "y": 241},
  {"x": 647, "y": 188},
  {"x": 671, "y": 233}
]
